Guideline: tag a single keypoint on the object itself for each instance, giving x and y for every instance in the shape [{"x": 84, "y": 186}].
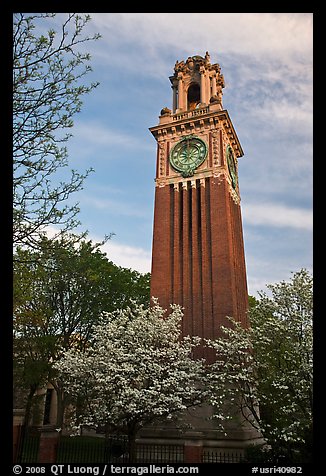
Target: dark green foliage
[{"x": 60, "y": 292}]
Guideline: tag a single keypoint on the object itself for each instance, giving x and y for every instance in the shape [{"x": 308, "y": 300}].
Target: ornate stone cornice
[
  {"x": 219, "y": 175},
  {"x": 197, "y": 63},
  {"x": 196, "y": 120}
]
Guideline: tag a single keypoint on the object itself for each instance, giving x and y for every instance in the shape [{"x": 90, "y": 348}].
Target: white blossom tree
[
  {"x": 135, "y": 370},
  {"x": 267, "y": 370}
]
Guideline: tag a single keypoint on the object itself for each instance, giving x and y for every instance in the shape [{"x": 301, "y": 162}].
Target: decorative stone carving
[
  {"x": 166, "y": 111},
  {"x": 215, "y": 147},
  {"x": 161, "y": 146}
]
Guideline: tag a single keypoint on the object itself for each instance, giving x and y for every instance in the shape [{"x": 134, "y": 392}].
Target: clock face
[
  {"x": 188, "y": 154},
  {"x": 231, "y": 166}
]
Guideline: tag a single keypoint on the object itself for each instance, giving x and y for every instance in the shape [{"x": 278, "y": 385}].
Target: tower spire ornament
[{"x": 196, "y": 82}]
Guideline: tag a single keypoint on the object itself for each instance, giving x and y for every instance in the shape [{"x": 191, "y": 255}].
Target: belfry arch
[
  {"x": 193, "y": 96},
  {"x": 196, "y": 83}
]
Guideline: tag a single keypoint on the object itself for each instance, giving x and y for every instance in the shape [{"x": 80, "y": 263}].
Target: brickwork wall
[
  {"x": 161, "y": 282},
  {"x": 198, "y": 255},
  {"x": 49, "y": 440}
]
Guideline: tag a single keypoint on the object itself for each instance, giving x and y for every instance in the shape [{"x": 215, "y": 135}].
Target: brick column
[
  {"x": 193, "y": 451},
  {"x": 202, "y": 85},
  {"x": 196, "y": 277},
  {"x": 161, "y": 283},
  {"x": 18, "y": 420},
  {"x": 186, "y": 261},
  {"x": 49, "y": 439},
  {"x": 176, "y": 246}
]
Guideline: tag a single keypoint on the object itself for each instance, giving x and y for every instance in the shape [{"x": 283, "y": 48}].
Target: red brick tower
[{"x": 198, "y": 253}]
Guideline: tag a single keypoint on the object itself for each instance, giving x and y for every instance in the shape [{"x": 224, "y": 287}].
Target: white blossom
[
  {"x": 268, "y": 367},
  {"x": 136, "y": 369}
]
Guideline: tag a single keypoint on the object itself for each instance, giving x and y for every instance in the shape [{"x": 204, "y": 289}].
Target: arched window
[{"x": 193, "y": 96}]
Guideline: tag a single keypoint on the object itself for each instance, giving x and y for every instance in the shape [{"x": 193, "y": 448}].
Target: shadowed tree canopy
[{"x": 60, "y": 292}]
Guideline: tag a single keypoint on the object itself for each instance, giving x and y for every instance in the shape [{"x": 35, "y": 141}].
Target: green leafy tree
[
  {"x": 48, "y": 74},
  {"x": 268, "y": 368},
  {"x": 60, "y": 291}
]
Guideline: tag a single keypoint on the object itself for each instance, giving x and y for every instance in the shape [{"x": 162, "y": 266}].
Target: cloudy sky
[{"x": 266, "y": 60}]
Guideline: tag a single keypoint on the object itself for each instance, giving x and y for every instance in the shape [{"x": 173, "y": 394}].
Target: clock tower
[{"x": 198, "y": 252}]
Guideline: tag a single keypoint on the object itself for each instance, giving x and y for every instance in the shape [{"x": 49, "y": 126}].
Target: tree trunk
[
  {"x": 60, "y": 403},
  {"x": 60, "y": 407},
  {"x": 132, "y": 449},
  {"x": 27, "y": 415},
  {"x": 29, "y": 403}
]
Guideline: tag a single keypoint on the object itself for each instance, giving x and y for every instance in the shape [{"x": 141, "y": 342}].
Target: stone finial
[
  {"x": 214, "y": 99},
  {"x": 166, "y": 111}
]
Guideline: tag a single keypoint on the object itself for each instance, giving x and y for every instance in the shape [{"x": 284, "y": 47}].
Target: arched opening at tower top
[{"x": 193, "y": 96}]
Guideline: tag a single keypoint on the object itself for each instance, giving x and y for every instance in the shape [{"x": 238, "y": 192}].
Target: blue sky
[{"x": 266, "y": 60}]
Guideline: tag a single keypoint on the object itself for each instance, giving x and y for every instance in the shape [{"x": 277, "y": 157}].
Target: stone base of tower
[{"x": 201, "y": 436}]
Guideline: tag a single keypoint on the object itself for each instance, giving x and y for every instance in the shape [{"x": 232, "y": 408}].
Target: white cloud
[
  {"x": 262, "y": 35},
  {"x": 265, "y": 270},
  {"x": 277, "y": 216},
  {"x": 289, "y": 115},
  {"x": 115, "y": 207},
  {"x": 128, "y": 256},
  {"x": 96, "y": 133},
  {"x": 266, "y": 59}
]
